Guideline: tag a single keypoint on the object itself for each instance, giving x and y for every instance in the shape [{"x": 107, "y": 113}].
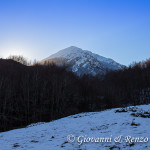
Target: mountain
[
  {"x": 83, "y": 61},
  {"x": 83, "y": 131}
]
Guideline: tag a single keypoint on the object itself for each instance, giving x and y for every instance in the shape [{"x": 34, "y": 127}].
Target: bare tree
[{"x": 19, "y": 59}]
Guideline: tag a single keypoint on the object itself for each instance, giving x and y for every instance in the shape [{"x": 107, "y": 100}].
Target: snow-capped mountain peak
[{"x": 84, "y": 61}]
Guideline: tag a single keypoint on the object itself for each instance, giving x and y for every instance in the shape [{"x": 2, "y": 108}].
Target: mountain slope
[
  {"x": 105, "y": 124},
  {"x": 83, "y": 61}
]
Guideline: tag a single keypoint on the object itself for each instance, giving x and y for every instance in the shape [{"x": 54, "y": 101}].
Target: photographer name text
[{"x": 118, "y": 139}]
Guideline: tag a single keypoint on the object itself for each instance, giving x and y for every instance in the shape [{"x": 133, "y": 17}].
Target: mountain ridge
[{"x": 83, "y": 61}]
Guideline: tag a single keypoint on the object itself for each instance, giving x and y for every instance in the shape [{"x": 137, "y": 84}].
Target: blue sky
[{"x": 118, "y": 29}]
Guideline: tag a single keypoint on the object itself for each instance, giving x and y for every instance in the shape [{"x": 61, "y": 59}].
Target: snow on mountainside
[
  {"x": 131, "y": 124},
  {"x": 83, "y": 61}
]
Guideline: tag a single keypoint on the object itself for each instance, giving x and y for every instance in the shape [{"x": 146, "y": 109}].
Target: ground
[{"x": 91, "y": 131}]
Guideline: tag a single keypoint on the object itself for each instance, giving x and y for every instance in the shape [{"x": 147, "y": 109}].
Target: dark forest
[{"x": 41, "y": 93}]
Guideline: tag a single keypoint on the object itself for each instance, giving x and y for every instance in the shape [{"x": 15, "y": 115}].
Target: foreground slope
[
  {"x": 53, "y": 135},
  {"x": 83, "y": 61}
]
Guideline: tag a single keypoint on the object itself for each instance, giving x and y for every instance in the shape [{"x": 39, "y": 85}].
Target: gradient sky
[{"x": 118, "y": 29}]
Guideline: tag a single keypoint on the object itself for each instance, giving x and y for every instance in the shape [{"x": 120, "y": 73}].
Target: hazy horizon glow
[{"x": 38, "y": 28}]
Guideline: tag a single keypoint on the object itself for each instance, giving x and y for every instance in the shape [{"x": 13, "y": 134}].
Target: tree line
[{"x": 41, "y": 93}]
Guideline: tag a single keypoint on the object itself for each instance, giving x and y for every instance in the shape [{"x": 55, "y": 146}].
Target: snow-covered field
[{"x": 91, "y": 131}]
